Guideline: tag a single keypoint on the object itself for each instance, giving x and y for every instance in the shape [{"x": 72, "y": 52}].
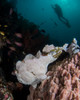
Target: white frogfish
[{"x": 32, "y": 69}]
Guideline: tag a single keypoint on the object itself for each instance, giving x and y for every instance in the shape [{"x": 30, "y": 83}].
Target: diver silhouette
[{"x": 59, "y": 13}]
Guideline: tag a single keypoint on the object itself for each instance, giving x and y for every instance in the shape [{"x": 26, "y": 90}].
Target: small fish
[
  {"x": 43, "y": 31},
  {"x": 2, "y": 33},
  {"x": 4, "y": 38},
  {"x": 8, "y": 41},
  {"x": 18, "y": 44},
  {"x": 9, "y": 52},
  {"x": 12, "y": 48},
  {"x": 5, "y": 26},
  {"x": 56, "y": 52},
  {"x": 19, "y": 35},
  {"x": 11, "y": 11}
]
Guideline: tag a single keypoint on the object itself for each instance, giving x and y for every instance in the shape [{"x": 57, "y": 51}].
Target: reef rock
[{"x": 64, "y": 83}]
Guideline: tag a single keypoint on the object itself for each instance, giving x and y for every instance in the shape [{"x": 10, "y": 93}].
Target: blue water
[{"x": 41, "y": 13}]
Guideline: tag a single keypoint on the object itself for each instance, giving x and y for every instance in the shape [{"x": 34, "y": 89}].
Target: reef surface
[
  {"x": 63, "y": 84},
  {"x": 64, "y": 78}
]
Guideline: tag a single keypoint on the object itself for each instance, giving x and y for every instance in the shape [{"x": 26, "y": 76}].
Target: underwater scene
[
  {"x": 39, "y": 50},
  {"x": 59, "y": 18}
]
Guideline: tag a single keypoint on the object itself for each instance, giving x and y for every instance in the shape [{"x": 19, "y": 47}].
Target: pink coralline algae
[{"x": 63, "y": 84}]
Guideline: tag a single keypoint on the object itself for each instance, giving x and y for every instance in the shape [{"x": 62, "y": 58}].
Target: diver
[{"x": 59, "y": 13}]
